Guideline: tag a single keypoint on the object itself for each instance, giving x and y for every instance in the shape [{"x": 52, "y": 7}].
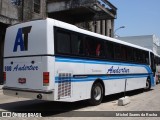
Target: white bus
[
  {"x": 52, "y": 60},
  {"x": 157, "y": 73}
]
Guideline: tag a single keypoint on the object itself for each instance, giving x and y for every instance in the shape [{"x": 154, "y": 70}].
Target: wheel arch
[
  {"x": 101, "y": 82},
  {"x": 149, "y": 78},
  {"x": 148, "y": 85}
]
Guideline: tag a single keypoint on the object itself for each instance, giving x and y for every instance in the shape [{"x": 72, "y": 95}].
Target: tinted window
[
  {"x": 135, "y": 55},
  {"x": 123, "y": 53},
  {"x": 63, "y": 42},
  {"x": 117, "y": 50},
  {"x": 129, "y": 54},
  {"x": 146, "y": 59},
  {"x": 77, "y": 45},
  {"x": 37, "y": 6},
  {"x": 94, "y": 47},
  {"x": 109, "y": 50}
]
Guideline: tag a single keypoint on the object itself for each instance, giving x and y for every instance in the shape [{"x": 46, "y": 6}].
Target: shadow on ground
[{"x": 51, "y": 108}]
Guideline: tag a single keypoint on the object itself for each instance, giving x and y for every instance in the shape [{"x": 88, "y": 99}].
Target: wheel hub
[{"x": 97, "y": 93}]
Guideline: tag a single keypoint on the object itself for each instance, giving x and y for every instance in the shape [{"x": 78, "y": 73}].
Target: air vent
[{"x": 64, "y": 85}]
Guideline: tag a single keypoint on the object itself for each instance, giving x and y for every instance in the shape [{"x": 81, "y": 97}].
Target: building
[
  {"x": 94, "y": 15},
  {"x": 148, "y": 41},
  {"x": 158, "y": 49},
  {"x": 9, "y": 14}
]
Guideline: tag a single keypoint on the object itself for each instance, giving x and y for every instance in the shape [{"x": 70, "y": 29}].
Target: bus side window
[
  {"x": 77, "y": 45},
  {"x": 80, "y": 45},
  {"x": 146, "y": 58},
  {"x": 129, "y": 54},
  {"x": 87, "y": 48},
  {"x": 63, "y": 42},
  {"x": 123, "y": 53},
  {"x": 109, "y": 50},
  {"x": 90, "y": 46},
  {"x": 135, "y": 54},
  {"x": 117, "y": 50},
  {"x": 100, "y": 49}
]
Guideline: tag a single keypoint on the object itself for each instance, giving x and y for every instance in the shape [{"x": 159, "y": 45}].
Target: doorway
[{"x": 2, "y": 37}]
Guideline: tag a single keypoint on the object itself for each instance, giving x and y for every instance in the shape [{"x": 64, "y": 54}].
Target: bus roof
[
  {"x": 74, "y": 28},
  {"x": 80, "y": 30}
]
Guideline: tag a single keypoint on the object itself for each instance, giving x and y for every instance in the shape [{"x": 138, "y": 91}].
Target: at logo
[{"x": 22, "y": 39}]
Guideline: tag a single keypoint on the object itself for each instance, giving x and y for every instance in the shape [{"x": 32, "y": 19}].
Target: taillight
[
  {"x": 4, "y": 77},
  {"x": 45, "y": 78}
]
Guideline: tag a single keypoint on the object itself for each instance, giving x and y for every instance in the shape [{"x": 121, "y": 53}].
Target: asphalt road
[{"x": 140, "y": 101}]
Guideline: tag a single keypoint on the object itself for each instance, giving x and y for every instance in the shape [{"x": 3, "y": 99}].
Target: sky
[{"x": 140, "y": 17}]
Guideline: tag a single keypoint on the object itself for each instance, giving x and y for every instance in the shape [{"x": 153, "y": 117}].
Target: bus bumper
[{"x": 27, "y": 93}]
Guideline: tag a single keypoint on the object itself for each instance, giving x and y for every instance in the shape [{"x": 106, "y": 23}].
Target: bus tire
[
  {"x": 148, "y": 84},
  {"x": 96, "y": 94}
]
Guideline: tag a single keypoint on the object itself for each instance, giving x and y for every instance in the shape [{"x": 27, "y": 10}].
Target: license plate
[{"x": 22, "y": 80}]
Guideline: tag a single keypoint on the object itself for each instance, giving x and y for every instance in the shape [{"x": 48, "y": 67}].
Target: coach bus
[
  {"x": 157, "y": 74},
  {"x": 52, "y": 60}
]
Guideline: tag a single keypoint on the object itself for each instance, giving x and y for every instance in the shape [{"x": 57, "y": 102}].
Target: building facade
[
  {"x": 94, "y": 15},
  {"x": 9, "y": 14},
  {"x": 148, "y": 41},
  {"x": 16, "y": 11}
]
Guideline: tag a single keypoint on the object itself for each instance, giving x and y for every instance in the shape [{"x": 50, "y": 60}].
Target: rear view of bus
[{"x": 26, "y": 54}]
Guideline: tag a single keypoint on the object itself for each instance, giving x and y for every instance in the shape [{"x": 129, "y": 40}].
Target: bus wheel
[
  {"x": 148, "y": 84},
  {"x": 96, "y": 94}
]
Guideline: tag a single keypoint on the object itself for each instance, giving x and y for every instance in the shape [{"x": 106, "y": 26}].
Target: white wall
[{"x": 148, "y": 41}]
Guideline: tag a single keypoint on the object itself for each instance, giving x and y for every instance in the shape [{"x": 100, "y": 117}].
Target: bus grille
[{"x": 64, "y": 85}]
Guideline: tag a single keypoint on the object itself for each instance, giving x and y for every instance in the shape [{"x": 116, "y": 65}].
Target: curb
[
  {"x": 1, "y": 92},
  {"x": 1, "y": 87}
]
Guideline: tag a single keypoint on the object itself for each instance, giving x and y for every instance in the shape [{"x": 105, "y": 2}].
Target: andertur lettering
[
  {"x": 25, "y": 68},
  {"x": 118, "y": 70}
]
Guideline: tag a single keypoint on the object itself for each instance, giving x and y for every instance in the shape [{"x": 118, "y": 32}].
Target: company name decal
[
  {"x": 118, "y": 70},
  {"x": 21, "y": 68},
  {"x": 21, "y": 40}
]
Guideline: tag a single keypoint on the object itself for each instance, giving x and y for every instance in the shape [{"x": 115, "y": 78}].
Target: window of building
[
  {"x": 37, "y": 6},
  {"x": 16, "y": 2},
  {"x": 110, "y": 32}
]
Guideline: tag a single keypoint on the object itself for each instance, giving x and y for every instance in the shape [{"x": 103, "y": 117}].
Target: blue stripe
[
  {"x": 92, "y": 78},
  {"x": 76, "y": 60}
]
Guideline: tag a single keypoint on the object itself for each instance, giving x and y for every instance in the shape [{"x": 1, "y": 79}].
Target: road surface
[{"x": 140, "y": 101}]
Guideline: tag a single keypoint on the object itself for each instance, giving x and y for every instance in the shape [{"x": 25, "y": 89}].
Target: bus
[
  {"x": 52, "y": 60},
  {"x": 157, "y": 74}
]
